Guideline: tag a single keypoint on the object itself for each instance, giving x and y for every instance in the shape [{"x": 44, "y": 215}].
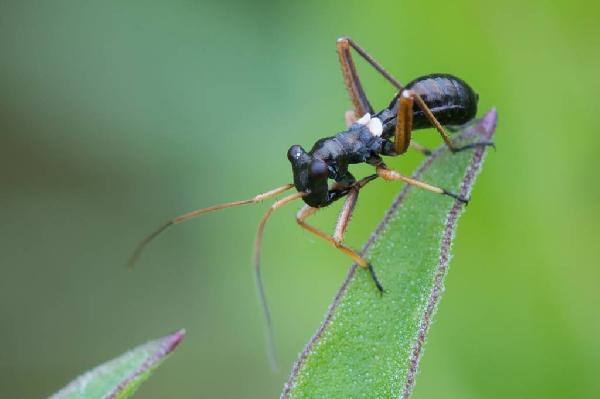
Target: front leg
[
  {"x": 307, "y": 211},
  {"x": 340, "y": 229}
]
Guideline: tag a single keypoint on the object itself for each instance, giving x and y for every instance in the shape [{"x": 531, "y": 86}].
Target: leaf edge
[{"x": 485, "y": 127}]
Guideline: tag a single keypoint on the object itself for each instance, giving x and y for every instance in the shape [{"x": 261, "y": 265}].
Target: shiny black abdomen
[{"x": 452, "y": 100}]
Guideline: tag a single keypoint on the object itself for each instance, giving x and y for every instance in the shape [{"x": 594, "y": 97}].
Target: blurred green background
[{"x": 115, "y": 116}]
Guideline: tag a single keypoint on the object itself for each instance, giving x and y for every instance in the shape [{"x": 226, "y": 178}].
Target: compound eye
[
  {"x": 318, "y": 169},
  {"x": 294, "y": 153}
]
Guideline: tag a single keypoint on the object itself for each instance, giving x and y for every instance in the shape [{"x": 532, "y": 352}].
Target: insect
[{"x": 429, "y": 101}]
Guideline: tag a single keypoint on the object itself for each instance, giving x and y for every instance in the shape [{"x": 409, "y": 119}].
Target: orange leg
[
  {"x": 392, "y": 175},
  {"x": 350, "y": 117},
  {"x": 362, "y": 106},
  {"x": 351, "y": 79},
  {"x": 340, "y": 230},
  {"x": 344, "y": 44},
  {"x": 404, "y": 124},
  {"x": 358, "y": 96}
]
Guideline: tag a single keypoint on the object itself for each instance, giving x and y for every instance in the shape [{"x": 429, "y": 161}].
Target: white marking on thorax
[{"x": 374, "y": 124}]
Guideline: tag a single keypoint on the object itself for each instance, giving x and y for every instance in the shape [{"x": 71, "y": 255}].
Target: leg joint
[
  {"x": 387, "y": 174},
  {"x": 343, "y": 39}
]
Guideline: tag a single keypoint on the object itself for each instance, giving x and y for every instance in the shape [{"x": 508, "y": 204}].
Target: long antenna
[
  {"x": 199, "y": 212},
  {"x": 272, "y": 352}
]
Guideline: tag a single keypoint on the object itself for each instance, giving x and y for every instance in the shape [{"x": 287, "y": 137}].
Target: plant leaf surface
[
  {"x": 119, "y": 378},
  {"x": 369, "y": 345}
]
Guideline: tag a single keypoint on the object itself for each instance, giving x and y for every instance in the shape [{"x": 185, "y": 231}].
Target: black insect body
[
  {"x": 451, "y": 101},
  {"x": 429, "y": 101},
  {"x": 329, "y": 159}
]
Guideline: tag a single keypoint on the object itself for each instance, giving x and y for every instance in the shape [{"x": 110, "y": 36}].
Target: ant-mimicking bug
[{"x": 429, "y": 101}]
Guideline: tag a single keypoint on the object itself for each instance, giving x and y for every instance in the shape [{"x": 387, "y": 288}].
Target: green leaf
[
  {"x": 120, "y": 378},
  {"x": 369, "y": 345}
]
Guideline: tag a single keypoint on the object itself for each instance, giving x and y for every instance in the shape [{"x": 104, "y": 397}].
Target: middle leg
[{"x": 392, "y": 175}]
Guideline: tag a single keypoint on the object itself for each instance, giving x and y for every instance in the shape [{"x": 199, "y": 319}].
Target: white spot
[
  {"x": 375, "y": 126},
  {"x": 364, "y": 119}
]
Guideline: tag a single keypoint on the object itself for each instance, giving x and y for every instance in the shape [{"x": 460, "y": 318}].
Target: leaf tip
[
  {"x": 487, "y": 124},
  {"x": 334, "y": 353},
  {"x": 171, "y": 341}
]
